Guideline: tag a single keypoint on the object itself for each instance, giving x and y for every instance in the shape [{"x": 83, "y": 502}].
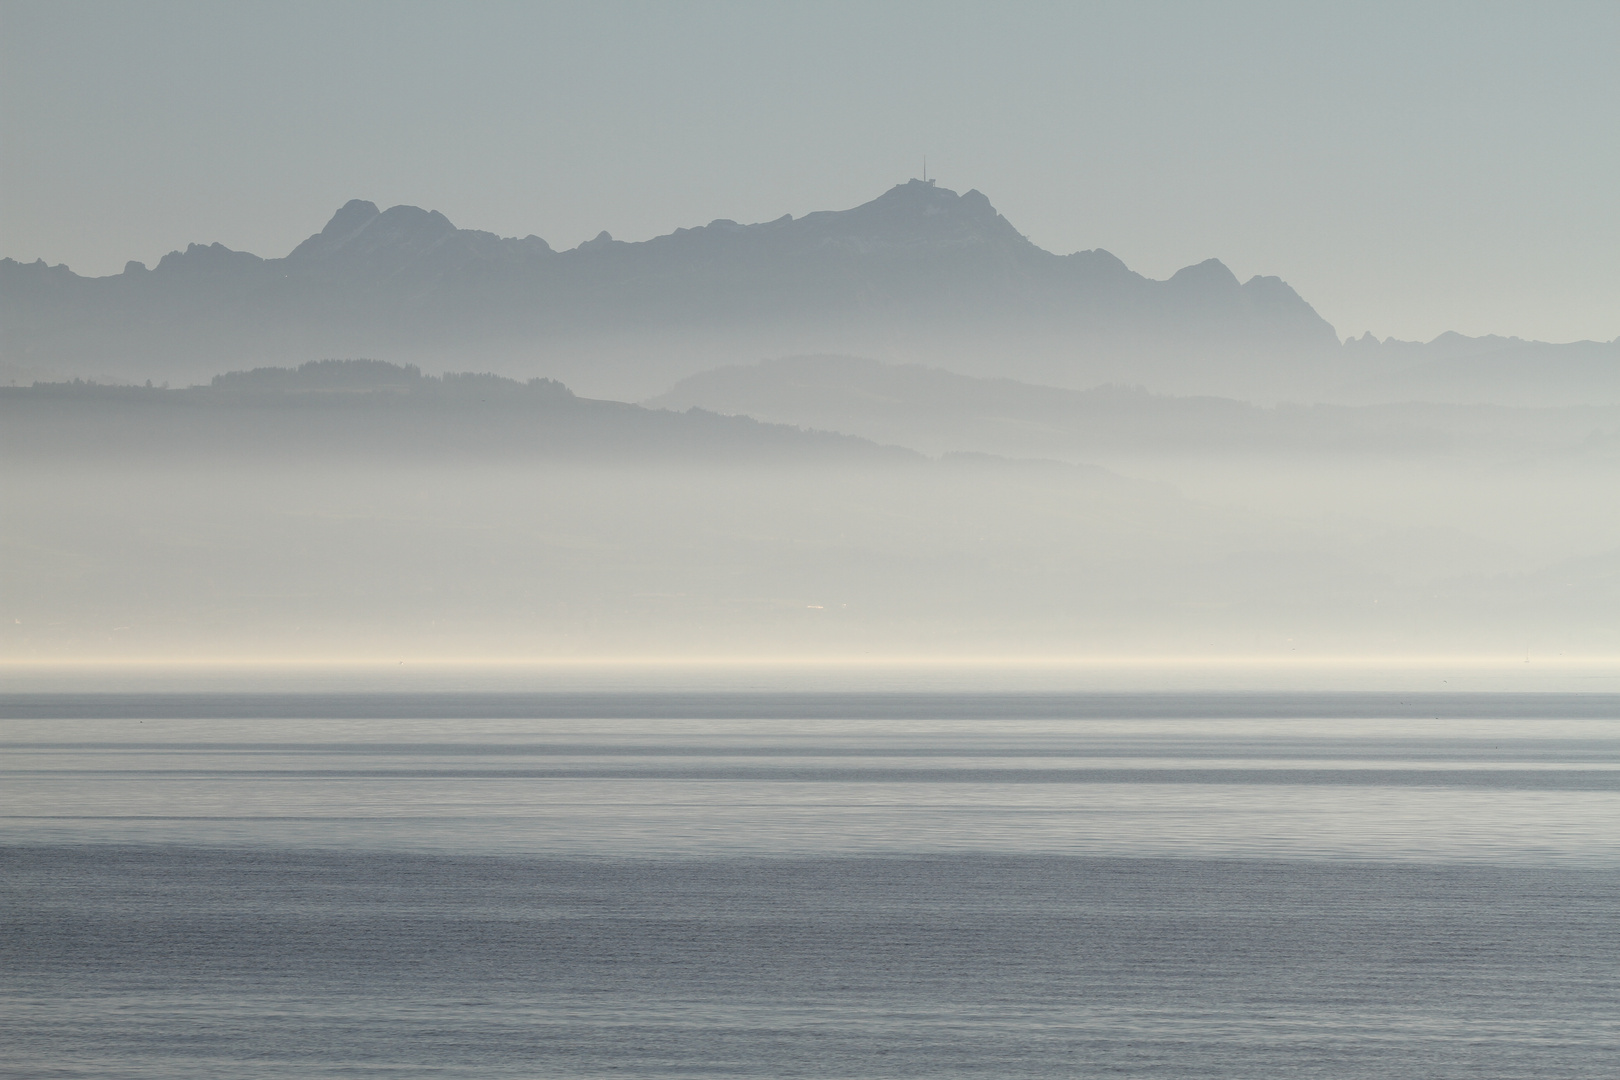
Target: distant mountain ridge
[
  {"x": 936, "y": 412},
  {"x": 1493, "y": 369},
  {"x": 918, "y": 270},
  {"x": 334, "y": 410}
]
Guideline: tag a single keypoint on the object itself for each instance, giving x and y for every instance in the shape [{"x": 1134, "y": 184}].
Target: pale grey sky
[{"x": 1408, "y": 167}]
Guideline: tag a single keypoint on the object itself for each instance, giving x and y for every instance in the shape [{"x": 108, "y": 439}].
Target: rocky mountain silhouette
[{"x": 919, "y": 272}]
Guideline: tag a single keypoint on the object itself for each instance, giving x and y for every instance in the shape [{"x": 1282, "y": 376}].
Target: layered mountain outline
[{"x": 921, "y": 272}]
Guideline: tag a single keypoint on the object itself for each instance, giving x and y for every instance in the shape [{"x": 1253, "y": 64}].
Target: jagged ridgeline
[
  {"x": 920, "y": 273},
  {"x": 374, "y": 409}
]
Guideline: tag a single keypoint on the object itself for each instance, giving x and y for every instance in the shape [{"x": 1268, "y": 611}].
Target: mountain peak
[
  {"x": 927, "y": 197},
  {"x": 920, "y": 211},
  {"x": 359, "y": 228},
  {"x": 1209, "y": 274},
  {"x": 355, "y": 215}
]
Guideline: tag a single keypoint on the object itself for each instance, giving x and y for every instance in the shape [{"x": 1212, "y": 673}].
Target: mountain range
[{"x": 920, "y": 272}]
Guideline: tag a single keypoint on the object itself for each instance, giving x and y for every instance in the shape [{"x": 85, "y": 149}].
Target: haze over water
[{"x": 809, "y": 540}]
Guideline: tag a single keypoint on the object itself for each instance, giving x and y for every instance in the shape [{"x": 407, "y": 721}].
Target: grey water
[{"x": 809, "y": 885}]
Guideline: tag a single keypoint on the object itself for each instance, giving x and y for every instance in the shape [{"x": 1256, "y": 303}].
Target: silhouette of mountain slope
[
  {"x": 918, "y": 269},
  {"x": 371, "y": 410},
  {"x": 939, "y": 412}
]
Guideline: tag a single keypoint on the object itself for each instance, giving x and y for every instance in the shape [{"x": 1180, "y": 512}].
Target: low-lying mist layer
[{"x": 369, "y": 511}]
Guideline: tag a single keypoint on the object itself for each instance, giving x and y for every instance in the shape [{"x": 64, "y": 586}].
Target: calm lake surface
[{"x": 809, "y": 885}]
